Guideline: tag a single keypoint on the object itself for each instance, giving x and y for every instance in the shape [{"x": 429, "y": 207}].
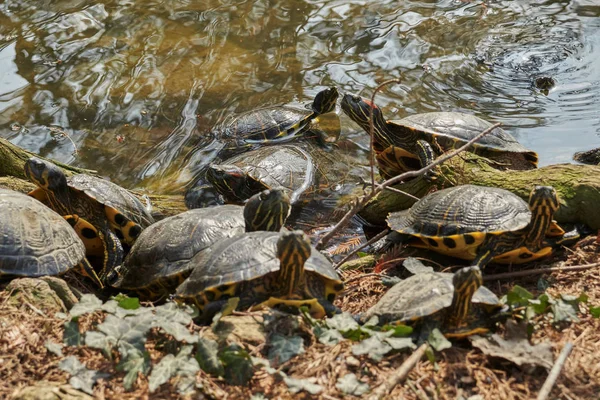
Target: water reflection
[{"x": 137, "y": 86}]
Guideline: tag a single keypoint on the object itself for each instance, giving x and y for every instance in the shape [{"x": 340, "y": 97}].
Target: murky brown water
[{"x": 137, "y": 85}]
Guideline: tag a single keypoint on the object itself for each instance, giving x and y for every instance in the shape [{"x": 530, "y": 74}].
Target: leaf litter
[{"x": 165, "y": 357}]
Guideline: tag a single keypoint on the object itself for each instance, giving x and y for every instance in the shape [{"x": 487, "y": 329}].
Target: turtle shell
[
  {"x": 423, "y": 295},
  {"x": 284, "y": 166},
  {"x": 163, "y": 251},
  {"x": 35, "y": 240},
  {"x": 463, "y": 209},
  {"x": 279, "y": 123},
  {"x": 112, "y": 195},
  {"x": 453, "y": 129},
  {"x": 244, "y": 258}
]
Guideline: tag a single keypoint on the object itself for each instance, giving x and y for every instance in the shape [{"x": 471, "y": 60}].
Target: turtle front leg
[{"x": 113, "y": 252}]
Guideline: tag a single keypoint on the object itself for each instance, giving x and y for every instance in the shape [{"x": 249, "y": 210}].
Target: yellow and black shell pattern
[
  {"x": 247, "y": 263},
  {"x": 126, "y": 214},
  {"x": 35, "y": 240},
  {"x": 160, "y": 258},
  {"x": 423, "y": 295},
  {"x": 455, "y": 221}
]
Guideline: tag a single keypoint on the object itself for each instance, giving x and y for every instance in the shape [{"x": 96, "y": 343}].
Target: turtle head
[
  {"x": 544, "y": 199},
  {"x": 359, "y": 109},
  {"x": 325, "y": 100},
  {"x": 267, "y": 210},
  {"x": 45, "y": 175},
  {"x": 466, "y": 282},
  {"x": 293, "y": 249},
  {"x": 233, "y": 183},
  {"x": 543, "y": 203}
]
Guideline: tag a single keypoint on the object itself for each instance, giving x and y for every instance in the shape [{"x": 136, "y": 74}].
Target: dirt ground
[{"x": 460, "y": 372}]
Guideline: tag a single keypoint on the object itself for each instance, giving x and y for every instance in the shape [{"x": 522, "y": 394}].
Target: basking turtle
[
  {"x": 399, "y": 144},
  {"x": 36, "y": 241},
  {"x": 482, "y": 224},
  {"x": 265, "y": 269},
  {"x": 160, "y": 259},
  {"x": 274, "y": 124},
  {"x": 98, "y": 209},
  {"x": 456, "y": 303},
  {"x": 289, "y": 167}
]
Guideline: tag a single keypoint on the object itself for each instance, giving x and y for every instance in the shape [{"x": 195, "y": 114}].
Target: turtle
[
  {"x": 456, "y": 303},
  {"x": 405, "y": 144},
  {"x": 273, "y": 124},
  {"x": 263, "y": 269},
  {"x": 482, "y": 224},
  {"x": 36, "y": 241},
  {"x": 160, "y": 259},
  {"x": 289, "y": 167},
  {"x": 100, "y": 211}
]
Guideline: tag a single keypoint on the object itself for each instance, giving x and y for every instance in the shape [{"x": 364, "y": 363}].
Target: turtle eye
[{"x": 264, "y": 195}]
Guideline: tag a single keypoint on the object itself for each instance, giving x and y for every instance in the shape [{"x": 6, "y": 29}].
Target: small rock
[
  {"x": 49, "y": 391},
  {"x": 36, "y": 293},
  {"x": 62, "y": 289},
  {"x": 353, "y": 362}
]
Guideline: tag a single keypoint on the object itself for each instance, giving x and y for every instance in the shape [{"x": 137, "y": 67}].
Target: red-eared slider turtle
[
  {"x": 399, "y": 143},
  {"x": 289, "y": 167},
  {"x": 102, "y": 209},
  {"x": 160, "y": 259},
  {"x": 456, "y": 303},
  {"x": 274, "y": 124},
  {"x": 482, "y": 224},
  {"x": 262, "y": 268},
  {"x": 36, "y": 241}
]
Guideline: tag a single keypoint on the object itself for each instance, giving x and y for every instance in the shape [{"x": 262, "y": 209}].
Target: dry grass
[{"x": 460, "y": 371}]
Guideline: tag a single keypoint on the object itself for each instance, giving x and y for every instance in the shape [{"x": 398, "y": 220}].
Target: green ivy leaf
[
  {"x": 238, "y": 365},
  {"x": 374, "y": 347},
  {"x": 400, "y": 330},
  {"x": 342, "y": 322},
  {"x": 595, "y": 311},
  {"x": 126, "y": 302},
  {"x": 349, "y": 384},
  {"x": 400, "y": 343},
  {"x": 208, "y": 358},
  {"x": 438, "y": 341},
  {"x": 87, "y": 304},
  {"x": 283, "y": 348},
  {"x": 131, "y": 329},
  {"x": 81, "y": 377},
  {"x": 297, "y": 385},
  {"x": 518, "y": 297},
  {"x": 173, "y": 320},
  {"x": 71, "y": 335},
  {"x": 564, "y": 311},
  {"x": 54, "y": 348},
  {"x": 98, "y": 340},
  {"x": 133, "y": 361},
  {"x": 329, "y": 337},
  {"x": 170, "y": 365}
]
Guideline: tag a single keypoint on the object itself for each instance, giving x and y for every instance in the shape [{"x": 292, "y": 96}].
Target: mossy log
[
  {"x": 12, "y": 160},
  {"x": 12, "y": 176},
  {"x": 578, "y": 187}
]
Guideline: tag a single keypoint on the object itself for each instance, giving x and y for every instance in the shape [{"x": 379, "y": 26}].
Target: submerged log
[{"x": 578, "y": 187}]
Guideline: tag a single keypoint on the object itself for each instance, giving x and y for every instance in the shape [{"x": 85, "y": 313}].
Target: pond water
[{"x": 135, "y": 86}]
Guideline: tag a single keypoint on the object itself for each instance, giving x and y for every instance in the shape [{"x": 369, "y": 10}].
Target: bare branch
[
  {"x": 539, "y": 271},
  {"x": 555, "y": 372},
  {"x": 362, "y": 246},
  {"x": 397, "y": 179}
]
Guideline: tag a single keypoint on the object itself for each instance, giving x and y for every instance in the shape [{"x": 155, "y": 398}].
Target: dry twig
[
  {"x": 360, "y": 203},
  {"x": 399, "y": 375},
  {"x": 362, "y": 246},
  {"x": 553, "y": 375},
  {"x": 539, "y": 271}
]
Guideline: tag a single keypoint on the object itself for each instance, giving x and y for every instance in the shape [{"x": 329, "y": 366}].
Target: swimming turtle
[
  {"x": 160, "y": 259},
  {"x": 400, "y": 144},
  {"x": 262, "y": 269},
  {"x": 36, "y": 241},
  {"x": 99, "y": 210},
  {"x": 482, "y": 224},
  {"x": 456, "y": 303},
  {"x": 274, "y": 124}
]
